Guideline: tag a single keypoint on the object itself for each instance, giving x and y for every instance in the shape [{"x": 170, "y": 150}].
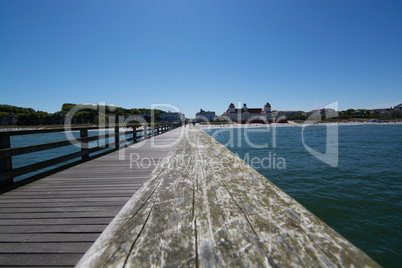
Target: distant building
[
  {"x": 398, "y": 107},
  {"x": 171, "y": 117},
  {"x": 289, "y": 113},
  {"x": 248, "y": 115},
  {"x": 381, "y": 111},
  {"x": 359, "y": 112},
  {"x": 325, "y": 111},
  {"x": 204, "y": 116},
  {"x": 8, "y": 120}
]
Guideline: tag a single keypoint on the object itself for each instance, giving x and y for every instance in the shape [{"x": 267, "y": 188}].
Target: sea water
[{"x": 360, "y": 196}]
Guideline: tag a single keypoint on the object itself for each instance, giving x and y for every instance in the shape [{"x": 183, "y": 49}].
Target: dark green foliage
[
  {"x": 15, "y": 110},
  {"x": 296, "y": 117},
  {"x": 396, "y": 114},
  {"x": 66, "y": 107},
  {"x": 85, "y": 114},
  {"x": 351, "y": 114}
]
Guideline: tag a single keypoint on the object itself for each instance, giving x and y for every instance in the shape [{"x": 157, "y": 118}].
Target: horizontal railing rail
[{"x": 8, "y": 173}]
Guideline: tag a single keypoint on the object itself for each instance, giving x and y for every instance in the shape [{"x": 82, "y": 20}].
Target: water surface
[{"x": 361, "y": 198}]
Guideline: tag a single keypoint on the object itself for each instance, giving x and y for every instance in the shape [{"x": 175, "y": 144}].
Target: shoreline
[
  {"x": 293, "y": 124},
  {"x": 235, "y": 125},
  {"x": 40, "y": 128}
]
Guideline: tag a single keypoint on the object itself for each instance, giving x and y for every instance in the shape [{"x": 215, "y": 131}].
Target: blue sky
[{"x": 297, "y": 55}]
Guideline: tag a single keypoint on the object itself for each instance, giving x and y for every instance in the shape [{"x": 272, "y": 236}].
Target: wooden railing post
[
  {"x": 116, "y": 133},
  {"x": 84, "y": 144},
  {"x": 134, "y": 134},
  {"x": 5, "y": 163}
]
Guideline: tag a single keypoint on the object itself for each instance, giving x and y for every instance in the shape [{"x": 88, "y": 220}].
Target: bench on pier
[{"x": 203, "y": 206}]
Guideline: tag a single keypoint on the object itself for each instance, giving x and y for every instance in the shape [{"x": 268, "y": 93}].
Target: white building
[
  {"x": 250, "y": 115},
  {"x": 170, "y": 117},
  {"x": 204, "y": 116}
]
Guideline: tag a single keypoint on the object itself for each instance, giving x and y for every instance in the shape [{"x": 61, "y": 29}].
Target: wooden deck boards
[
  {"x": 53, "y": 221},
  {"x": 205, "y": 207}
]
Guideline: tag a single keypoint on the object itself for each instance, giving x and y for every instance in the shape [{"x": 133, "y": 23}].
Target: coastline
[
  {"x": 235, "y": 125},
  {"x": 39, "y": 128},
  {"x": 293, "y": 124}
]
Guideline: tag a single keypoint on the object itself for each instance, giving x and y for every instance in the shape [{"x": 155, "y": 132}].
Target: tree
[{"x": 395, "y": 114}]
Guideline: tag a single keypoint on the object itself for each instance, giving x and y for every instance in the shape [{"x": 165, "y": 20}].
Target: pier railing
[{"x": 8, "y": 173}]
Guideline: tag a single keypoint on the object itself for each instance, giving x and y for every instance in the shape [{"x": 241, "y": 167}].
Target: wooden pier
[
  {"x": 53, "y": 221},
  {"x": 204, "y": 207},
  {"x": 201, "y": 206}
]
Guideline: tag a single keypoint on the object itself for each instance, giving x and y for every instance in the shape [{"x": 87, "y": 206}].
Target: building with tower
[{"x": 249, "y": 115}]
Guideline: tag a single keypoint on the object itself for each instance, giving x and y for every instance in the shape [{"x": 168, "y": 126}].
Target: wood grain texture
[
  {"x": 204, "y": 207},
  {"x": 53, "y": 221}
]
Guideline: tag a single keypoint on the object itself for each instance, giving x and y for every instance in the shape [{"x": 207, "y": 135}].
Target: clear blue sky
[{"x": 297, "y": 55}]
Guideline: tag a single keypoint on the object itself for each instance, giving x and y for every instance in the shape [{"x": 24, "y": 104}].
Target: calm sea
[{"x": 361, "y": 198}]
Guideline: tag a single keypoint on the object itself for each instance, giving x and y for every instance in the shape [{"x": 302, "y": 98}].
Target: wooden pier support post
[
  {"x": 5, "y": 163},
  {"x": 134, "y": 134},
  {"x": 116, "y": 133},
  {"x": 84, "y": 144}
]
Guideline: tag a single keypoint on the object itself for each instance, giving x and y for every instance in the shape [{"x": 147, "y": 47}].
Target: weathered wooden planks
[
  {"x": 54, "y": 220},
  {"x": 204, "y": 207}
]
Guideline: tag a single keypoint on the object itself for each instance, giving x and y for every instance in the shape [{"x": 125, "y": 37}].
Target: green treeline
[
  {"x": 351, "y": 114},
  {"x": 85, "y": 114}
]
